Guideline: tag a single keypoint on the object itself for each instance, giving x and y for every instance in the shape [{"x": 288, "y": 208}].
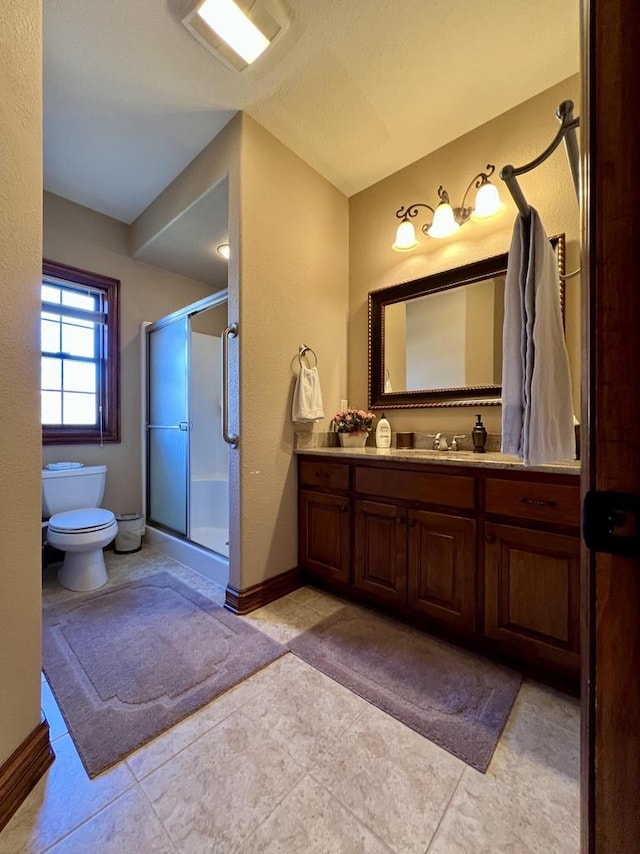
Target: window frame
[{"x": 110, "y": 373}]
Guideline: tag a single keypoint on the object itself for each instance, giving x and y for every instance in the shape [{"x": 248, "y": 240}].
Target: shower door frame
[{"x": 187, "y": 312}]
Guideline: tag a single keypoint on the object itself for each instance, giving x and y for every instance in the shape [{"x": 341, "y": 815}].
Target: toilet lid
[{"x": 81, "y": 521}]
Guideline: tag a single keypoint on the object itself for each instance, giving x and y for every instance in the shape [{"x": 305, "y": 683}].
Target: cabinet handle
[
  {"x": 490, "y": 539},
  {"x": 538, "y": 502},
  {"x": 344, "y": 508},
  {"x": 322, "y": 474},
  {"x": 412, "y": 523}
]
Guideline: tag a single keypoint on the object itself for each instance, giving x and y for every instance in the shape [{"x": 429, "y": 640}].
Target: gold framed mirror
[{"x": 437, "y": 341}]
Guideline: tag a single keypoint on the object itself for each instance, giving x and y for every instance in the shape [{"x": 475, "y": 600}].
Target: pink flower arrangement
[{"x": 353, "y": 421}]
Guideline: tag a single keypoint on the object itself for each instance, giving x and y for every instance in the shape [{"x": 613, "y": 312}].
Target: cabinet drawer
[
  {"x": 544, "y": 502},
  {"x": 330, "y": 475},
  {"x": 439, "y": 489}
]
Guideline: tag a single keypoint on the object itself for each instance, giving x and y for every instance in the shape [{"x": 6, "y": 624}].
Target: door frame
[{"x": 610, "y": 764}]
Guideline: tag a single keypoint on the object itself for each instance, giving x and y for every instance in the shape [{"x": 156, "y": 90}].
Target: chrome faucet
[
  {"x": 454, "y": 444},
  {"x": 440, "y": 442}
]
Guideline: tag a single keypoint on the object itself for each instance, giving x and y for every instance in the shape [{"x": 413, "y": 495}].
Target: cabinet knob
[
  {"x": 412, "y": 523},
  {"x": 490, "y": 538}
]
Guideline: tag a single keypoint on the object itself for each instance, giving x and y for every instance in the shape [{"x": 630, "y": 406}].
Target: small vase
[{"x": 353, "y": 440}]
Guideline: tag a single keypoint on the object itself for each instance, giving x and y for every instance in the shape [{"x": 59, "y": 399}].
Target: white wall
[
  {"x": 20, "y": 432},
  {"x": 208, "y": 452},
  {"x": 436, "y": 340}
]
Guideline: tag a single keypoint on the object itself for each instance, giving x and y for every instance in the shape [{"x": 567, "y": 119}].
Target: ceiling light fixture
[
  {"x": 236, "y": 32},
  {"x": 223, "y": 250},
  {"x": 446, "y": 219}
]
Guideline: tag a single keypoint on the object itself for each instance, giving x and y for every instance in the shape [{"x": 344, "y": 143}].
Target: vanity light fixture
[
  {"x": 446, "y": 219},
  {"x": 223, "y": 250},
  {"x": 236, "y": 31}
]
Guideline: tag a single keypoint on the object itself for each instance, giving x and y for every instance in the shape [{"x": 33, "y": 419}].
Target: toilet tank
[{"x": 72, "y": 489}]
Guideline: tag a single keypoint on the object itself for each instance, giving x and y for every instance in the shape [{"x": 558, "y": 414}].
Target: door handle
[
  {"x": 611, "y": 523},
  {"x": 230, "y": 332}
]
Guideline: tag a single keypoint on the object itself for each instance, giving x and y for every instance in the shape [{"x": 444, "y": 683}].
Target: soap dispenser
[
  {"x": 479, "y": 436},
  {"x": 383, "y": 433}
]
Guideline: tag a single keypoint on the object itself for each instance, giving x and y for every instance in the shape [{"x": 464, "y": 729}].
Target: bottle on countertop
[
  {"x": 383, "y": 433},
  {"x": 479, "y": 436}
]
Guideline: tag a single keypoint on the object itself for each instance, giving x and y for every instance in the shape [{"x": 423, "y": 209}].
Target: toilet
[{"x": 77, "y": 525}]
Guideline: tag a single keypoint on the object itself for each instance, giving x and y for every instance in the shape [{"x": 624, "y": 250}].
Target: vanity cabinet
[
  {"x": 325, "y": 521},
  {"x": 443, "y": 573},
  {"x": 380, "y": 550},
  {"x": 532, "y": 571},
  {"x": 486, "y": 555},
  {"x": 419, "y": 558}
]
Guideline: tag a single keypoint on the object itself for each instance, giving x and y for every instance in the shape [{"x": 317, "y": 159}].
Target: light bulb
[
  {"x": 223, "y": 250},
  {"x": 231, "y": 24},
  {"x": 444, "y": 222},
  {"x": 487, "y": 201},
  {"x": 405, "y": 237}
]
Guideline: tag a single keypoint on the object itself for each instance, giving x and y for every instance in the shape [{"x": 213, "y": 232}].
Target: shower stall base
[
  {"x": 216, "y": 539},
  {"x": 210, "y": 511},
  {"x": 213, "y": 566}
]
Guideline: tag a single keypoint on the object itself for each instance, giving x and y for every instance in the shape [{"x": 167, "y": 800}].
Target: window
[{"x": 80, "y": 356}]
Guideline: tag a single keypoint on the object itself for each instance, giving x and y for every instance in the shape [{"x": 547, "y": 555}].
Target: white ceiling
[{"x": 357, "y": 88}]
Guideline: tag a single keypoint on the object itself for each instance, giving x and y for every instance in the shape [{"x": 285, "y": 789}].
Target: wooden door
[
  {"x": 325, "y": 528},
  {"x": 380, "y": 550},
  {"x": 442, "y": 568},
  {"x": 532, "y": 595},
  {"x": 611, "y": 416}
]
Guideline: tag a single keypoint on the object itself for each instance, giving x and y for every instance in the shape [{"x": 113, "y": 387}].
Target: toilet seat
[{"x": 81, "y": 521}]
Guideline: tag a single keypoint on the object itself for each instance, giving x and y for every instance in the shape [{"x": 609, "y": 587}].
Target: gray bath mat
[
  {"x": 127, "y": 663},
  {"x": 456, "y": 699}
]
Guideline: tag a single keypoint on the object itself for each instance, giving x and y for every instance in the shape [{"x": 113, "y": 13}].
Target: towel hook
[{"x": 302, "y": 353}]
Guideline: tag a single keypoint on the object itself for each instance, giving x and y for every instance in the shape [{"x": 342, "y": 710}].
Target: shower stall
[{"x": 187, "y": 446}]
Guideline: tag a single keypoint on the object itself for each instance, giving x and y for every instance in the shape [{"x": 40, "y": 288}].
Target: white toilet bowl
[{"x": 81, "y": 535}]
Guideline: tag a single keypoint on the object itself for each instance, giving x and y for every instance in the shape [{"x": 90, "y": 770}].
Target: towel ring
[{"x": 302, "y": 353}]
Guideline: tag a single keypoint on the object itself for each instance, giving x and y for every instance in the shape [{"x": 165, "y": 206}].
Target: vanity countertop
[{"x": 491, "y": 459}]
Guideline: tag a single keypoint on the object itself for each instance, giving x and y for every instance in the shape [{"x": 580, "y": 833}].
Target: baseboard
[
  {"x": 245, "y": 601},
  {"x": 23, "y": 769}
]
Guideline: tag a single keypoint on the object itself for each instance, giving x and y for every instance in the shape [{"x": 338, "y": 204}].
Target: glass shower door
[{"x": 168, "y": 426}]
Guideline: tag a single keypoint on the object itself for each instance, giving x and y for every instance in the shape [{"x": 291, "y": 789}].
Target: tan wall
[
  {"x": 217, "y": 161},
  {"x": 83, "y": 238},
  {"x": 395, "y": 350},
  {"x": 293, "y": 290},
  {"x": 20, "y": 271},
  {"x": 514, "y": 137},
  {"x": 479, "y": 335},
  {"x": 288, "y": 285}
]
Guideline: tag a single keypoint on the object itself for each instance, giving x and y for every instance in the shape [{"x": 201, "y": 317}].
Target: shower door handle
[{"x": 230, "y": 332}]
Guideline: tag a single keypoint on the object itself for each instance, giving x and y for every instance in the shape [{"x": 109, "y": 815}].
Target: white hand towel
[
  {"x": 307, "y": 397},
  {"x": 537, "y": 410}
]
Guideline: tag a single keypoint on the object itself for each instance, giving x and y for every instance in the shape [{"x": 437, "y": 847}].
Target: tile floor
[{"x": 290, "y": 761}]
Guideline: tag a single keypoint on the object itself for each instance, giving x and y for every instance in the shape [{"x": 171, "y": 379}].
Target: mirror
[{"x": 437, "y": 341}]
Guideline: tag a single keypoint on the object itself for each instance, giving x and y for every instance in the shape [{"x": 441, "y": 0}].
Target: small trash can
[{"x": 130, "y": 531}]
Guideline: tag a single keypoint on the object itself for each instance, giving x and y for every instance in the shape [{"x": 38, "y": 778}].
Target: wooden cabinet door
[
  {"x": 442, "y": 568},
  {"x": 325, "y": 527},
  {"x": 532, "y": 594},
  {"x": 380, "y": 550}
]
